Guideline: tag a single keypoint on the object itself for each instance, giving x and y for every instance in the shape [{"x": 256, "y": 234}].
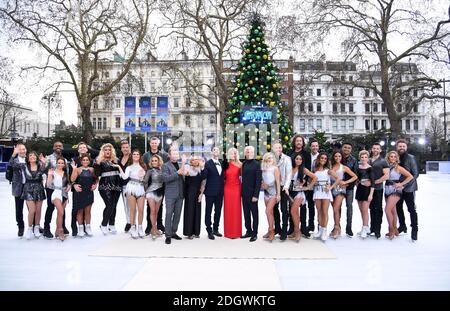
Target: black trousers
[
  {"x": 217, "y": 201},
  {"x": 250, "y": 211},
  {"x": 311, "y": 208},
  {"x": 110, "y": 198},
  {"x": 409, "y": 198},
  {"x": 283, "y": 204},
  {"x": 19, "y": 212},
  {"x": 50, "y": 209},
  {"x": 159, "y": 222},
  {"x": 376, "y": 211}
]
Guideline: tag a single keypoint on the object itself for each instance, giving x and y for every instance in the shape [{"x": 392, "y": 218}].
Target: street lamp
[
  {"x": 445, "y": 110},
  {"x": 422, "y": 141},
  {"x": 50, "y": 99},
  {"x": 392, "y": 143},
  {"x": 382, "y": 143}
]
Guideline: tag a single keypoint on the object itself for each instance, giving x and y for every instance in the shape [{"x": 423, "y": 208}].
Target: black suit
[
  {"x": 251, "y": 185},
  {"x": 213, "y": 193}
]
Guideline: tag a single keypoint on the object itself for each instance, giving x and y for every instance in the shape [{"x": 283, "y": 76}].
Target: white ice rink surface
[{"x": 360, "y": 264}]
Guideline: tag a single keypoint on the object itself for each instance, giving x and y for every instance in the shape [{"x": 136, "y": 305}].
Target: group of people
[{"x": 293, "y": 183}]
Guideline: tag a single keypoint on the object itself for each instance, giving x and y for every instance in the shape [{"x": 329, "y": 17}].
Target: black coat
[
  {"x": 251, "y": 179},
  {"x": 409, "y": 163}
]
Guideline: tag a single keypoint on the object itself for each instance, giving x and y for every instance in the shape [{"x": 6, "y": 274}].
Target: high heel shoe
[
  {"x": 391, "y": 234},
  {"x": 297, "y": 236},
  {"x": 59, "y": 234},
  {"x": 271, "y": 235},
  {"x": 336, "y": 232}
]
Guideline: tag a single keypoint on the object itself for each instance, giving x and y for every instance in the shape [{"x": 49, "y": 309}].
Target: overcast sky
[{"x": 29, "y": 89}]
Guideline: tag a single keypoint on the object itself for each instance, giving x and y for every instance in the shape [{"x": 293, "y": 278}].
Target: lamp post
[
  {"x": 445, "y": 110},
  {"x": 50, "y": 99}
]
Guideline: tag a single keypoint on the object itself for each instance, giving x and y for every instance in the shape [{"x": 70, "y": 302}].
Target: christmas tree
[{"x": 256, "y": 95}]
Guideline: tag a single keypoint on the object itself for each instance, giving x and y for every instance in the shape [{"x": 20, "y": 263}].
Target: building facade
[
  {"x": 316, "y": 95},
  {"x": 325, "y": 101}
]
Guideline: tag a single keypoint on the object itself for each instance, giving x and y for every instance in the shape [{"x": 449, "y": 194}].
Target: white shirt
[
  {"x": 22, "y": 160},
  {"x": 313, "y": 160},
  {"x": 218, "y": 166}
]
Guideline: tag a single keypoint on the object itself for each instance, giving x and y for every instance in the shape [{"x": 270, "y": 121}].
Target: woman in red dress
[{"x": 232, "y": 196}]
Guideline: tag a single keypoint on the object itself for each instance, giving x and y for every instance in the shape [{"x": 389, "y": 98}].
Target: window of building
[
  {"x": 212, "y": 120},
  {"x": 383, "y": 124},
  {"x": 351, "y": 124},
  {"x": 187, "y": 101},
  {"x": 383, "y": 107},
  {"x": 118, "y": 103},
  {"x": 310, "y": 125},
  {"x": 152, "y": 87},
  {"x": 374, "y": 93},
  {"x": 104, "y": 123},
  {"x": 118, "y": 87},
  {"x": 310, "y": 92},
  {"x": 106, "y": 74},
  {"x": 342, "y": 92},
  {"x": 176, "y": 86},
  {"x": 99, "y": 123},
  {"x": 342, "y": 107},
  {"x": 367, "y": 107},
  {"x": 350, "y": 78},
  {"x": 335, "y": 124},
  {"x": 416, "y": 125},
  {"x": 350, "y": 92},
  {"x": 342, "y": 78},
  {"x": 176, "y": 102},
  {"x": 187, "y": 120},
  {"x": 416, "y": 108},
  {"x": 302, "y": 124},
  {"x": 366, "y": 93},
  {"x": 319, "y": 92},
  {"x": 351, "y": 107},
  {"x": 408, "y": 124},
  {"x": 319, "y": 124},
  {"x": 415, "y": 93},
  {"x": 375, "y": 125},
  {"x": 94, "y": 123},
  {"x": 310, "y": 107},
  {"x": 319, "y": 107},
  {"x": 117, "y": 122},
  {"x": 334, "y": 92},
  {"x": 176, "y": 119},
  {"x": 302, "y": 92},
  {"x": 335, "y": 109},
  {"x": 302, "y": 107},
  {"x": 367, "y": 123},
  {"x": 375, "y": 107},
  {"x": 343, "y": 124},
  {"x": 95, "y": 103},
  {"x": 152, "y": 73},
  {"x": 335, "y": 79}
]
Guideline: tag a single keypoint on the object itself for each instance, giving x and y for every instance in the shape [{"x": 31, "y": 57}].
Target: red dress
[{"x": 232, "y": 214}]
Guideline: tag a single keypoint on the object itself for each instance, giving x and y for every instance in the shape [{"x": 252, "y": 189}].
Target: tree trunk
[{"x": 88, "y": 133}]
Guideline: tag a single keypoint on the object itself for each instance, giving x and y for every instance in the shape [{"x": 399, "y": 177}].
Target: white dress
[
  {"x": 58, "y": 187},
  {"x": 135, "y": 185},
  {"x": 269, "y": 179},
  {"x": 300, "y": 193},
  {"x": 338, "y": 189},
  {"x": 323, "y": 179}
]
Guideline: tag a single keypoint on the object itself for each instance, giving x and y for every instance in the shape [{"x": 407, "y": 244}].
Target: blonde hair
[
  {"x": 363, "y": 152},
  {"x": 265, "y": 165},
  {"x": 396, "y": 154},
  {"x": 233, "y": 150},
  {"x": 101, "y": 154},
  {"x": 160, "y": 161}
]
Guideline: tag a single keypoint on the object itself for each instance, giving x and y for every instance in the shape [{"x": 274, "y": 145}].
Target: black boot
[
  {"x": 348, "y": 231},
  {"x": 402, "y": 228},
  {"x": 20, "y": 232},
  {"x": 413, "y": 234}
]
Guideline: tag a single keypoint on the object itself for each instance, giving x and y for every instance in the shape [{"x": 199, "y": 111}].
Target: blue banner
[
  {"x": 145, "y": 108},
  {"x": 258, "y": 115},
  {"x": 162, "y": 113},
  {"x": 130, "y": 114}
]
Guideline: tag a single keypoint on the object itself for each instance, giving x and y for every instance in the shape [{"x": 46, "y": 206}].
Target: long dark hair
[
  {"x": 317, "y": 163},
  {"x": 66, "y": 174},
  {"x": 301, "y": 168},
  {"x": 333, "y": 161},
  {"x": 295, "y": 138},
  {"x": 27, "y": 160},
  {"x": 141, "y": 161}
]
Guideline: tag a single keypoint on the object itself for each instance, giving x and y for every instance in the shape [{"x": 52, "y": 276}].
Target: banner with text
[
  {"x": 130, "y": 114},
  {"x": 146, "y": 109},
  {"x": 162, "y": 113}
]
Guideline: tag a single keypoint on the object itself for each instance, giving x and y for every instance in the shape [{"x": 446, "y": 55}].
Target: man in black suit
[
  {"x": 251, "y": 185},
  {"x": 213, "y": 173}
]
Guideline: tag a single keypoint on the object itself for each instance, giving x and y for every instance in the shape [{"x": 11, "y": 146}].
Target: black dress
[
  {"x": 192, "y": 208},
  {"x": 86, "y": 197},
  {"x": 33, "y": 189}
]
